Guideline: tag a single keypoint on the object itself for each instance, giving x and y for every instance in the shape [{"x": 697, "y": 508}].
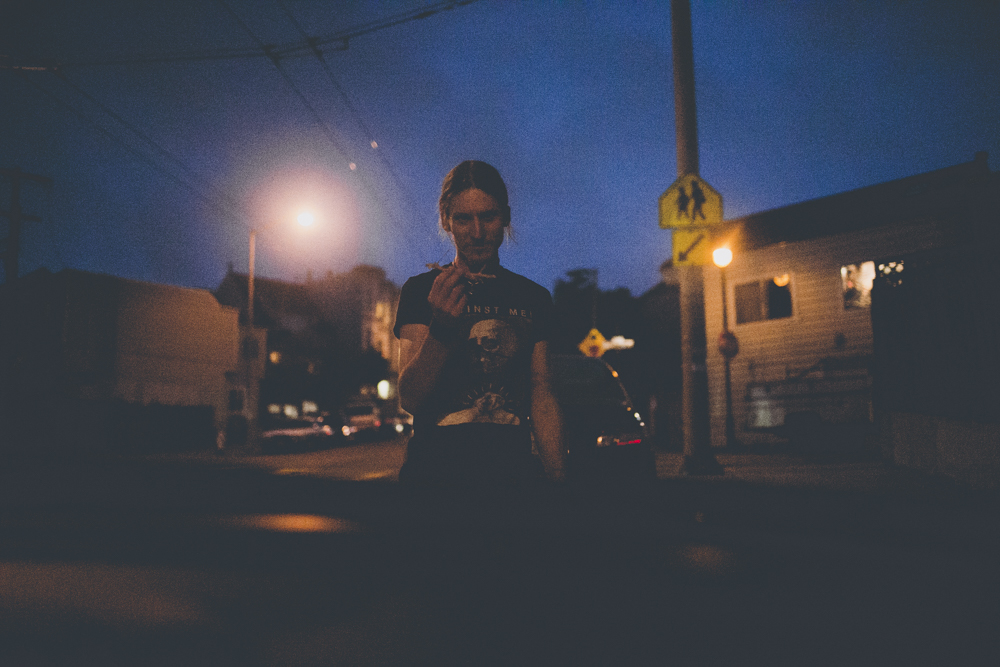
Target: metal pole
[
  {"x": 9, "y": 322},
  {"x": 698, "y": 460},
  {"x": 730, "y": 423},
  {"x": 253, "y": 246},
  {"x": 248, "y": 345},
  {"x": 686, "y": 117}
]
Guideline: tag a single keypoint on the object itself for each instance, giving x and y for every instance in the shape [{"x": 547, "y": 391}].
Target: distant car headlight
[
  {"x": 400, "y": 428},
  {"x": 346, "y": 430}
]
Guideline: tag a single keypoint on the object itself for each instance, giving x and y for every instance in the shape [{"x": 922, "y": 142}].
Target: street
[{"x": 297, "y": 560}]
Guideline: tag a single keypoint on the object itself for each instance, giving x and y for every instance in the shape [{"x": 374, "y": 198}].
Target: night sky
[{"x": 168, "y": 133}]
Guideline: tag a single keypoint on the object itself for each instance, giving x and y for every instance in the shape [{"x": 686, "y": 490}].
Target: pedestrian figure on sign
[
  {"x": 698, "y": 197},
  {"x": 682, "y": 202}
]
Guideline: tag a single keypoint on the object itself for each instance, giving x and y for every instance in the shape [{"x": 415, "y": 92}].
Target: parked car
[
  {"x": 282, "y": 434},
  {"x": 400, "y": 423},
  {"x": 361, "y": 420},
  {"x": 605, "y": 436}
]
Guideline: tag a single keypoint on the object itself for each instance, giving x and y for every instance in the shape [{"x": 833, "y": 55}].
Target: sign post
[{"x": 690, "y": 207}]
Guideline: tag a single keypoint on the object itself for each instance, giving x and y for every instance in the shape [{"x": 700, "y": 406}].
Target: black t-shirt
[{"x": 476, "y": 420}]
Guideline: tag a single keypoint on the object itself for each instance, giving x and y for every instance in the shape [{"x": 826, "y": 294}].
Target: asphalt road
[{"x": 294, "y": 560}]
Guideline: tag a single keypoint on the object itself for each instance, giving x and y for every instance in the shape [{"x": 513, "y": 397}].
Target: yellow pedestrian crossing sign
[
  {"x": 690, "y": 202},
  {"x": 593, "y": 345}
]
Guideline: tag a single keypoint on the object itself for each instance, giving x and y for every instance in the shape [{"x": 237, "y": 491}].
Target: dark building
[
  {"x": 327, "y": 338},
  {"x": 103, "y": 362}
]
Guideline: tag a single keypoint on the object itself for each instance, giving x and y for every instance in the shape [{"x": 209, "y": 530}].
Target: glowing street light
[
  {"x": 722, "y": 257},
  {"x": 729, "y": 346},
  {"x": 305, "y": 219}
]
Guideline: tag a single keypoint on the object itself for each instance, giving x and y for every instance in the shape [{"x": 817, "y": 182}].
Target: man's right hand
[{"x": 448, "y": 295}]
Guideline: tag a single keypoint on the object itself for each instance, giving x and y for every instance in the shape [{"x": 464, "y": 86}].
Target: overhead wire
[
  {"x": 297, "y": 49},
  {"x": 327, "y": 131},
  {"x": 358, "y": 118},
  {"x": 142, "y": 156},
  {"x": 275, "y": 60},
  {"x": 306, "y": 47},
  {"x": 225, "y": 199}
]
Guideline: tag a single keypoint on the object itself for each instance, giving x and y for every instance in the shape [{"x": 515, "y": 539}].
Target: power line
[
  {"x": 386, "y": 162},
  {"x": 275, "y": 59},
  {"x": 306, "y": 47},
  {"x": 142, "y": 156},
  {"x": 297, "y": 49},
  {"x": 327, "y": 130},
  {"x": 226, "y": 201}
]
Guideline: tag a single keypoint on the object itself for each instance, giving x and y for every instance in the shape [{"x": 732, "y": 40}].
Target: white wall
[{"x": 777, "y": 347}]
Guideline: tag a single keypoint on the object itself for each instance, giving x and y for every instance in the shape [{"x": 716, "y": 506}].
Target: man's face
[{"x": 476, "y": 223}]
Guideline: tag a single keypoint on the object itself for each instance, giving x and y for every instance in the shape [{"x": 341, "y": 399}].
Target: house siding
[{"x": 776, "y": 351}]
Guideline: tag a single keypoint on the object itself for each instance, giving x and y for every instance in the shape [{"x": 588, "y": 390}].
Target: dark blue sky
[{"x": 160, "y": 168}]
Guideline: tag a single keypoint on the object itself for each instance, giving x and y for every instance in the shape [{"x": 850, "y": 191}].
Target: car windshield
[{"x": 583, "y": 379}]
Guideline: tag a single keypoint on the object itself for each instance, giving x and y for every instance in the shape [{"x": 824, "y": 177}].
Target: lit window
[
  {"x": 856, "y": 283},
  {"x": 764, "y": 300},
  {"x": 891, "y": 272},
  {"x": 275, "y": 357}
]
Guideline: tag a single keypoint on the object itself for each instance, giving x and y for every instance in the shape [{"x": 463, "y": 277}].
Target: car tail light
[{"x": 617, "y": 440}]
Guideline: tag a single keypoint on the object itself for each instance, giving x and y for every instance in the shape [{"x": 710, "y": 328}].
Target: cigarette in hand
[{"x": 465, "y": 272}]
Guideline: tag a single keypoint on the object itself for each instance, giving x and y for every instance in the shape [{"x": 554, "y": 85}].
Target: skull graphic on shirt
[{"x": 492, "y": 343}]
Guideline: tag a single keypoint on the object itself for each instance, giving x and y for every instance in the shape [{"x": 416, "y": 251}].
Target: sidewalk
[{"x": 793, "y": 471}]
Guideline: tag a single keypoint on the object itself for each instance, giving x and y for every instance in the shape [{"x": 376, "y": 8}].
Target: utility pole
[
  {"x": 8, "y": 332},
  {"x": 698, "y": 458},
  {"x": 12, "y": 244}
]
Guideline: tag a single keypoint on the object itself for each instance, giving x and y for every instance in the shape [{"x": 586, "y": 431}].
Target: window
[
  {"x": 764, "y": 300},
  {"x": 856, "y": 283},
  {"x": 891, "y": 273}
]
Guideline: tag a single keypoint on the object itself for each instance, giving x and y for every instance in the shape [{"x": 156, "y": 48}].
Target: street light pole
[
  {"x": 304, "y": 219},
  {"x": 730, "y": 424},
  {"x": 249, "y": 348},
  {"x": 729, "y": 346},
  {"x": 253, "y": 248}
]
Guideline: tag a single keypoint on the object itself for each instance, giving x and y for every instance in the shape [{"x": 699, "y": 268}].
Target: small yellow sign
[
  {"x": 692, "y": 247},
  {"x": 690, "y": 202},
  {"x": 593, "y": 345}
]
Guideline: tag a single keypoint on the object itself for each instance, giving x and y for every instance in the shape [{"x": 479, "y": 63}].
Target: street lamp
[
  {"x": 729, "y": 346},
  {"x": 305, "y": 219},
  {"x": 250, "y": 348}
]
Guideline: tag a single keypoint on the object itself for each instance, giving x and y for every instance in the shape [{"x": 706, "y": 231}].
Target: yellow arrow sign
[
  {"x": 690, "y": 202},
  {"x": 692, "y": 247}
]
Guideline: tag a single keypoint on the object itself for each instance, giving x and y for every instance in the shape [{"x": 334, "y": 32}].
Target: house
[
  {"x": 801, "y": 290},
  {"x": 319, "y": 333},
  {"x": 104, "y": 362}
]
